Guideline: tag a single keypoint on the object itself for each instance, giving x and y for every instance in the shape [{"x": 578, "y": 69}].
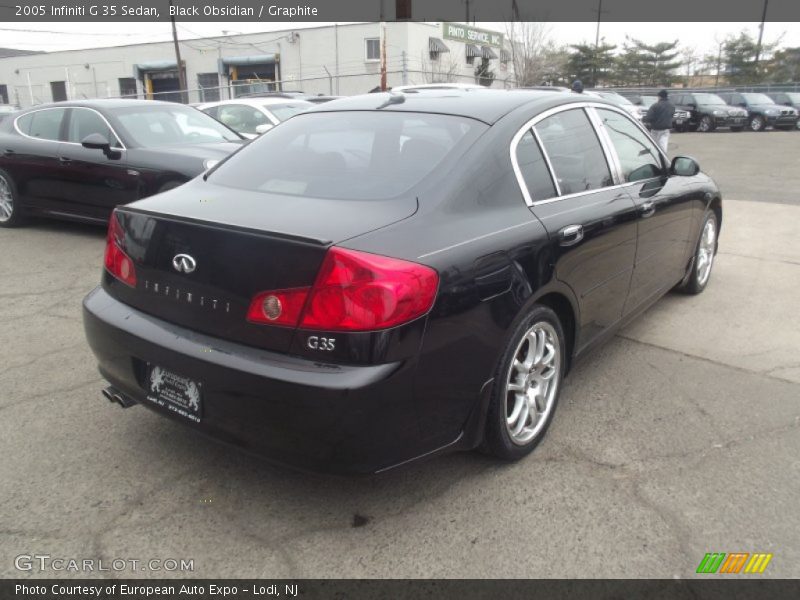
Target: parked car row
[{"x": 706, "y": 111}]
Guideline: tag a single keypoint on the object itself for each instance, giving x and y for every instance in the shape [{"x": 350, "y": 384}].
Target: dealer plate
[
  {"x": 174, "y": 392},
  {"x": 679, "y": 121}
]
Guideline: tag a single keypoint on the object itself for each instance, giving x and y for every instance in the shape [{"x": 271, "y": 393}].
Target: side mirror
[
  {"x": 96, "y": 141},
  {"x": 263, "y": 128},
  {"x": 684, "y": 166}
]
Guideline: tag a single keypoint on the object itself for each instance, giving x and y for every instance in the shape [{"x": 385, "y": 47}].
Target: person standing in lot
[{"x": 659, "y": 118}]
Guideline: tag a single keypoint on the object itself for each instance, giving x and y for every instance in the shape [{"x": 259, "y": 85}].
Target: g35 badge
[{"x": 321, "y": 343}]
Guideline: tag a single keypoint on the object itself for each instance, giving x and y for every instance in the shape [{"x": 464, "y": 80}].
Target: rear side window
[
  {"x": 638, "y": 156},
  {"x": 359, "y": 155},
  {"x": 534, "y": 168},
  {"x": 574, "y": 151},
  {"x": 42, "y": 124}
]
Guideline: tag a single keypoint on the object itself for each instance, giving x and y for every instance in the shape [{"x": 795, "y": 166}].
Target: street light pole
[{"x": 761, "y": 32}]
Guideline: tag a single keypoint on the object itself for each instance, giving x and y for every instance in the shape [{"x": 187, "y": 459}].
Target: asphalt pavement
[{"x": 678, "y": 438}]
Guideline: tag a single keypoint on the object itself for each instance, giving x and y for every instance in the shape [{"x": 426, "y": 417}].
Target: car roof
[
  {"x": 485, "y": 105},
  {"x": 254, "y": 101},
  {"x": 106, "y": 103}
]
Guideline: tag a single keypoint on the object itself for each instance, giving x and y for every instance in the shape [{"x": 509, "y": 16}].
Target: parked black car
[
  {"x": 390, "y": 276},
  {"x": 680, "y": 119},
  {"x": 708, "y": 112},
  {"x": 78, "y": 160},
  {"x": 787, "y": 99},
  {"x": 762, "y": 112}
]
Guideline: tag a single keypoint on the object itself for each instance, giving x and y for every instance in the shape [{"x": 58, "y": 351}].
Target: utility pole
[
  {"x": 181, "y": 74},
  {"x": 597, "y": 33},
  {"x": 761, "y": 32},
  {"x": 719, "y": 63},
  {"x": 383, "y": 56},
  {"x": 466, "y": 2}
]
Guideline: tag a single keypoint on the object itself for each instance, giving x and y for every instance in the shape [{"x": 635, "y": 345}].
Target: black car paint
[
  {"x": 66, "y": 180},
  {"x": 784, "y": 119},
  {"x": 697, "y": 110},
  {"x": 384, "y": 398}
]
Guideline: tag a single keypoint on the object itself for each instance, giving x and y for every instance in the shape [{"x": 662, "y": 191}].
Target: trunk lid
[{"x": 232, "y": 244}]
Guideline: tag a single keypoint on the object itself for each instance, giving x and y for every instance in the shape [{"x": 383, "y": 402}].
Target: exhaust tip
[{"x": 113, "y": 395}]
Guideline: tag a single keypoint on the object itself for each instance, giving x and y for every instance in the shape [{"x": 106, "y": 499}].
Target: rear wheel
[
  {"x": 703, "y": 257},
  {"x": 757, "y": 123},
  {"x": 527, "y": 385},
  {"x": 706, "y": 124},
  {"x": 10, "y": 209}
]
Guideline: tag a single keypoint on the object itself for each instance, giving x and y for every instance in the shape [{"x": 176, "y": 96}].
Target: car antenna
[{"x": 394, "y": 98}]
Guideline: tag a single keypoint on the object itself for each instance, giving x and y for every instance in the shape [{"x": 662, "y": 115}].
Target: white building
[{"x": 336, "y": 60}]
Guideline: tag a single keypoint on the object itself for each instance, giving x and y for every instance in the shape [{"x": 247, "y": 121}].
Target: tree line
[{"x": 738, "y": 60}]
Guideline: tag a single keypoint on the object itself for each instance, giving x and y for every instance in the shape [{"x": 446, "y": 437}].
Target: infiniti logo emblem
[{"x": 183, "y": 263}]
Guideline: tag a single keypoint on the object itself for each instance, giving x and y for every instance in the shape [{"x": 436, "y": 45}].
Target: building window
[
  {"x": 372, "y": 49},
  {"x": 127, "y": 87},
  {"x": 4, "y": 94},
  {"x": 209, "y": 87},
  {"x": 58, "y": 90}
]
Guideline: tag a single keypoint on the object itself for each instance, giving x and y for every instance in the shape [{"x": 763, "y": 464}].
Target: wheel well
[
  {"x": 716, "y": 206},
  {"x": 559, "y": 304}
]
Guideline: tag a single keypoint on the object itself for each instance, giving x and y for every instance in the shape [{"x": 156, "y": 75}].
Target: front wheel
[
  {"x": 757, "y": 123},
  {"x": 703, "y": 257},
  {"x": 526, "y": 385},
  {"x": 10, "y": 209},
  {"x": 706, "y": 124}
]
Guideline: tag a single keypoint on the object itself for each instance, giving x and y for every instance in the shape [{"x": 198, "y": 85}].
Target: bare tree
[
  {"x": 530, "y": 48},
  {"x": 440, "y": 70}
]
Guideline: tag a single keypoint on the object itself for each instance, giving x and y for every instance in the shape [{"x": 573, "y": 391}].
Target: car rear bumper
[{"x": 311, "y": 415}]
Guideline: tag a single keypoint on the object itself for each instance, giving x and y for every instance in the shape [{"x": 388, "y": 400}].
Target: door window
[
  {"x": 638, "y": 156},
  {"x": 534, "y": 169},
  {"x": 574, "y": 151},
  {"x": 42, "y": 124},
  {"x": 84, "y": 122}
]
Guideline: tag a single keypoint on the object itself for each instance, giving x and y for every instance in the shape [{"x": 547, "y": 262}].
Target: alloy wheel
[
  {"x": 705, "y": 125},
  {"x": 705, "y": 251},
  {"x": 6, "y": 200},
  {"x": 757, "y": 124},
  {"x": 532, "y": 383}
]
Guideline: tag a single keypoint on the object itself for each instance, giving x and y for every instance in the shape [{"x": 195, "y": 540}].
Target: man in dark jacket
[{"x": 659, "y": 117}]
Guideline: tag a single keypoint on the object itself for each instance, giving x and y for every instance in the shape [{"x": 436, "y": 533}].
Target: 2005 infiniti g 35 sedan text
[{"x": 389, "y": 276}]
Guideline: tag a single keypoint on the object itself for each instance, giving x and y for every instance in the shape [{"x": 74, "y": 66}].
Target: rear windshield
[{"x": 355, "y": 155}]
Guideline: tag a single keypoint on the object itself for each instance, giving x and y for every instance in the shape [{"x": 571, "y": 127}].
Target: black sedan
[
  {"x": 79, "y": 160},
  {"x": 391, "y": 276}
]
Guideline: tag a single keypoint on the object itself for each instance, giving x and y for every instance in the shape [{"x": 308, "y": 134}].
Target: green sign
[{"x": 471, "y": 35}]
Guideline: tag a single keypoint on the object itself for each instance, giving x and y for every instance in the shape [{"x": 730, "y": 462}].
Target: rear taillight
[
  {"x": 354, "y": 291},
  {"x": 117, "y": 262}
]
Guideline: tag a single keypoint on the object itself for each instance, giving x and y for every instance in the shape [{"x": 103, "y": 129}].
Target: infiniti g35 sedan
[
  {"x": 391, "y": 276},
  {"x": 78, "y": 160}
]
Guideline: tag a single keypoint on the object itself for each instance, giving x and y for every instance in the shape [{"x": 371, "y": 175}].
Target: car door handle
[
  {"x": 570, "y": 235},
  {"x": 64, "y": 160},
  {"x": 648, "y": 209},
  {"x": 8, "y": 152}
]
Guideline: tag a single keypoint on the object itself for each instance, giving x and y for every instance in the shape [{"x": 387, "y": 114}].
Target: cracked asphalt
[{"x": 680, "y": 437}]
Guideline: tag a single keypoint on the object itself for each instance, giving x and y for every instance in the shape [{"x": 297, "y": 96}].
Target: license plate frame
[{"x": 175, "y": 393}]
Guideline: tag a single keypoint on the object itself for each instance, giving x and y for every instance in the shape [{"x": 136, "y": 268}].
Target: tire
[
  {"x": 706, "y": 124},
  {"x": 736, "y": 128},
  {"x": 704, "y": 254},
  {"x": 11, "y": 214},
  {"x": 757, "y": 123},
  {"x": 534, "y": 359}
]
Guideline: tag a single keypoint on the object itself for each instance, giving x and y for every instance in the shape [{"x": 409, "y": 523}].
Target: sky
[{"x": 701, "y": 37}]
